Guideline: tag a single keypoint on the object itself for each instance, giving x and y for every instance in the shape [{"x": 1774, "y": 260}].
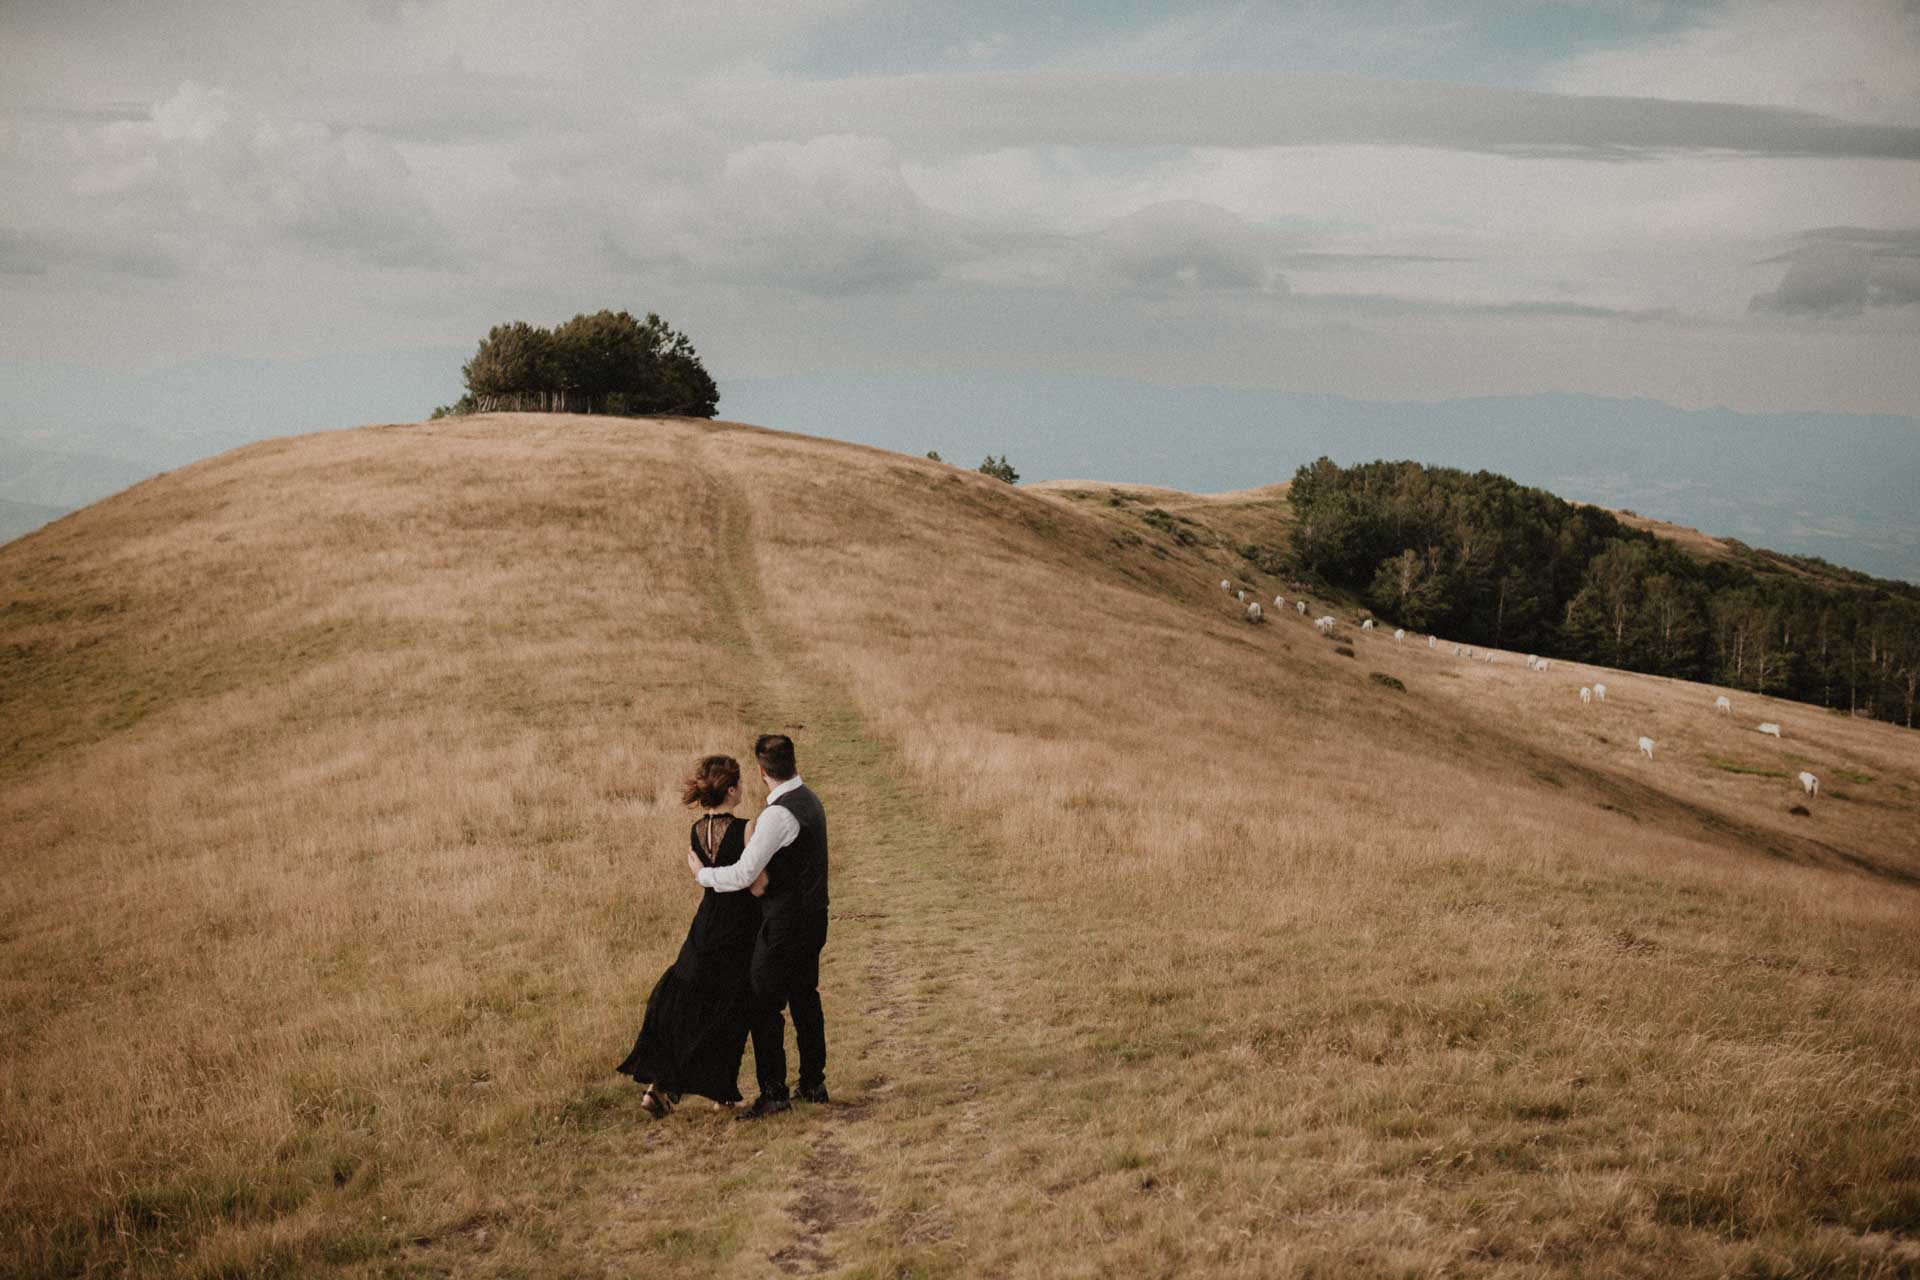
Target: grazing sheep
[
  {"x": 1279, "y": 602},
  {"x": 1253, "y": 612},
  {"x": 1456, "y": 651},
  {"x": 1773, "y": 729},
  {"x": 1324, "y": 625},
  {"x": 1600, "y": 692},
  {"x": 1809, "y": 783},
  {"x": 1469, "y": 651},
  {"x": 1367, "y": 625},
  {"x": 1301, "y": 607},
  {"x": 1586, "y": 695},
  {"x": 1241, "y": 596},
  {"x": 1400, "y": 634},
  {"x": 1723, "y": 705},
  {"x": 1225, "y": 585},
  {"x": 1433, "y": 642},
  {"x": 1545, "y": 663},
  {"x": 1646, "y": 747}
]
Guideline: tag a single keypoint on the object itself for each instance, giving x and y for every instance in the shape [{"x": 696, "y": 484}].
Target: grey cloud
[
  {"x": 1306, "y": 260},
  {"x": 1187, "y": 244},
  {"x": 39, "y": 251},
  {"x": 1843, "y": 271},
  {"x": 1115, "y": 109},
  {"x": 1384, "y": 304}
]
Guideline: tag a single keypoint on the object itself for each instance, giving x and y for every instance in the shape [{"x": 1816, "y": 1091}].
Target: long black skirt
[{"x": 691, "y": 1040}]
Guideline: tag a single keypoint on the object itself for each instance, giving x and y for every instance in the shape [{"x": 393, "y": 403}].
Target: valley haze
[{"x": 1842, "y": 487}]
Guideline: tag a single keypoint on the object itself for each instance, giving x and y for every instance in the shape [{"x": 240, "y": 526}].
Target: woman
[{"x": 695, "y": 1030}]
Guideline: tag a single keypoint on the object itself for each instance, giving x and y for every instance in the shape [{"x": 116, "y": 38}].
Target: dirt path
[{"x": 921, "y": 954}]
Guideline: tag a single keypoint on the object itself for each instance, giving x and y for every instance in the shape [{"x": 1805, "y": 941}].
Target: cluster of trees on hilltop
[
  {"x": 1483, "y": 560},
  {"x": 607, "y": 362}
]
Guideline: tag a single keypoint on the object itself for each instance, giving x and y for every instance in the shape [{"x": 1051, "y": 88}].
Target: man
[{"x": 790, "y": 844}]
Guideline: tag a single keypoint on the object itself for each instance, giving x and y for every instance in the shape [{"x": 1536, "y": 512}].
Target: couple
[{"x": 749, "y": 955}]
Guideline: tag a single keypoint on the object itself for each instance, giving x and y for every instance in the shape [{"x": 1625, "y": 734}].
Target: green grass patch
[
  {"x": 1734, "y": 766},
  {"x": 1852, "y": 775}
]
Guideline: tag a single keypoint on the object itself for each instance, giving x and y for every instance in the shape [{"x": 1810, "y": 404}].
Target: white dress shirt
[{"x": 773, "y": 832}]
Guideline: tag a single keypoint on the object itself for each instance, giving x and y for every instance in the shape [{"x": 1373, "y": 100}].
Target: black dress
[{"x": 695, "y": 1030}]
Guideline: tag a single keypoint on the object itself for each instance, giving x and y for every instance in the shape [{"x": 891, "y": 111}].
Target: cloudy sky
[{"x": 1706, "y": 204}]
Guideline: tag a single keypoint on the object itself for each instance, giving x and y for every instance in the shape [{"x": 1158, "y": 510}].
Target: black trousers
[{"x": 786, "y": 976}]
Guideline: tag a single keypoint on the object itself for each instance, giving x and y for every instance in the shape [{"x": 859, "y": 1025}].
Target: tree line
[
  {"x": 607, "y": 362},
  {"x": 1483, "y": 560}
]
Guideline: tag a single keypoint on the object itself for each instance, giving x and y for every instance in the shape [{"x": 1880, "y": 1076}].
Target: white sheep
[
  {"x": 1600, "y": 692},
  {"x": 1545, "y": 663},
  {"x": 1241, "y": 596},
  {"x": 1225, "y": 585},
  {"x": 1723, "y": 705},
  {"x": 1646, "y": 747},
  {"x": 1773, "y": 729},
  {"x": 1433, "y": 642},
  {"x": 1469, "y": 651},
  {"x": 1367, "y": 625},
  {"x": 1253, "y": 612},
  {"x": 1279, "y": 602},
  {"x": 1400, "y": 634},
  {"x": 1324, "y": 625},
  {"x": 1586, "y": 695},
  {"x": 1809, "y": 783},
  {"x": 1456, "y": 651}
]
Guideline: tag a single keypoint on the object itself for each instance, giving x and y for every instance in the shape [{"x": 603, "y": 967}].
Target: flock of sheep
[{"x": 1588, "y": 693}]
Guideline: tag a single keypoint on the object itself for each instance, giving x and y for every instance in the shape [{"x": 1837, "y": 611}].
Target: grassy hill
[{"x": 340, "y": 849}]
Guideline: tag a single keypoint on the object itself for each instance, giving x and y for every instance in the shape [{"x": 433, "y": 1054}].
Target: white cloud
[
  {"x": 207, "y": 169},
  {"x": 1842, "y": 271},
  {"x": 833, "y": 214},
  {"x": 1852, "y": 59}
]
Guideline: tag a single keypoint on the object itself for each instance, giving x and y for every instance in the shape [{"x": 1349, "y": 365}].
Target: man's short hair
[{"x": 774, "y": 751}]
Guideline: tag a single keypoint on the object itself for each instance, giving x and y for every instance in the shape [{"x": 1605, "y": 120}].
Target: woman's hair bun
[{"x": 711, "y": 779}]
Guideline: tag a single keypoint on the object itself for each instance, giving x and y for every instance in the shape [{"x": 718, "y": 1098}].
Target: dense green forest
[
  {"x": 607, "y": 362},
  {"x": 1480, "y": 559}
]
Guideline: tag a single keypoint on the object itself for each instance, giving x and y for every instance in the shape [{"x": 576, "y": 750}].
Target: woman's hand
[
  {"x": 759, "y": 886},
  {"x": 694, "y": 864}
]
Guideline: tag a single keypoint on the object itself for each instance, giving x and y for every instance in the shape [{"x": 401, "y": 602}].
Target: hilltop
[{"x": 338, "y": 820}]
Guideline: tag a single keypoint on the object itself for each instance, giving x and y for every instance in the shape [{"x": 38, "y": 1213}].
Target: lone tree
[
  {"x": 1000, "y": 469},
  {"x": 607, "y": 362}
]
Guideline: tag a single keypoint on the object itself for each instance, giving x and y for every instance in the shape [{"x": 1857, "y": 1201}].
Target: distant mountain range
[
  {"x": 17, "y": 518},
  {"x": 1839, "y": 486}
]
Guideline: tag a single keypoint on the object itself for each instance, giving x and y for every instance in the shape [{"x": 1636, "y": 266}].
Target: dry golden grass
[{"x": 340, "y": 851}]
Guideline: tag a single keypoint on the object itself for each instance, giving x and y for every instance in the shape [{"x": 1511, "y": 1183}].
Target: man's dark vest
[{"x": 797, "y": 875}]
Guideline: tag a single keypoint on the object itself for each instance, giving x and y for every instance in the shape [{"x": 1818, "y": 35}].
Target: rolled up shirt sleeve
[{"x": 773, "y": 832}]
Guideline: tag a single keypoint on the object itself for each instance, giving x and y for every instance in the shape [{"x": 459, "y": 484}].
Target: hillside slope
[{"x": 341, "y": 848}]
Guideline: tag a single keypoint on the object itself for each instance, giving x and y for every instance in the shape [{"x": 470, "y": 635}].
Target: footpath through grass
[{"x": 921, "y": 972}]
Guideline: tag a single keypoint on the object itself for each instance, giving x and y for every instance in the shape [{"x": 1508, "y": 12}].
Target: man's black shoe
[
  {"x": 763, "y": 1106},
  {"x": 815, "y": 1093}
]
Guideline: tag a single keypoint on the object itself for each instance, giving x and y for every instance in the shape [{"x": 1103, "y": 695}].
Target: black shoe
[
  {"x": 812, "y": 1093},
  {"x": 763, "y": 1106}
]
